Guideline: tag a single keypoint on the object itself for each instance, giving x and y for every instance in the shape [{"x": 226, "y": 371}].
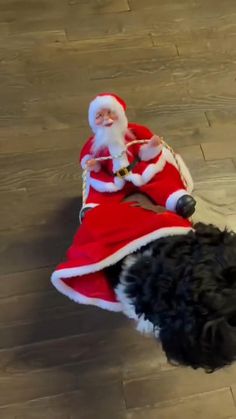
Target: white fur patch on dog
[{"x": 143, "y": 325}]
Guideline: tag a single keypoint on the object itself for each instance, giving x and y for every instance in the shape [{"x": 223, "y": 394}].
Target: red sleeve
[
  {"x": 86, "y": 149},
  {"x": 140, "y": 131}
]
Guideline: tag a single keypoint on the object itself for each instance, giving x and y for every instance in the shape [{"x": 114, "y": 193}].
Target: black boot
[{"x": 185, "y": 206}]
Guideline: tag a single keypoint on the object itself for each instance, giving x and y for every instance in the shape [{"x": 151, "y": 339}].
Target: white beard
[{"x": 112, "y": 138}]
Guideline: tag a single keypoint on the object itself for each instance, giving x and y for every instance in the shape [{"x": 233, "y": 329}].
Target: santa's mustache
[
  {"x": 107, "y": 135},
  {"x": 108, "y": 123}
]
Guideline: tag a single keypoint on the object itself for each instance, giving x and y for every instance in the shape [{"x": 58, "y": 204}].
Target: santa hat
[{"x": 106, "y": 100}]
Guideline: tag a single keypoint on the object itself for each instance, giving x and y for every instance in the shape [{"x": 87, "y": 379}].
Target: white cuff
[
  {"x": 148, "y": 152},
  {"x": 84, "y": 160},
  {"x": 86, "y": 206},
  {"x": 173, "y": 198}
]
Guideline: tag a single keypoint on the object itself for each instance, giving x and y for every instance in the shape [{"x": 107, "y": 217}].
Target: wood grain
[
  {"x": 33, "y": 171},
  {"x": 105, "y": 398},
  {"x": 60, "y": 324},
  {"x": 184, "y": 383},
  {"x": 217, "y": 404},
  {"x": 219, "y": 151}
]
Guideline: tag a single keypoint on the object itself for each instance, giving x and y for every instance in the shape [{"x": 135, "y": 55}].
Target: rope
[{"x": 85, "y": 171}]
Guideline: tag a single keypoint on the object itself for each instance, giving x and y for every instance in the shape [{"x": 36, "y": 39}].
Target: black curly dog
[{"x": 185, "y": 287}]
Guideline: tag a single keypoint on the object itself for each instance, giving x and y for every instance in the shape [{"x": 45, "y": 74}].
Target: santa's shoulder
[
  {"x": 140, "y": 131},
  {"x": 86, "y": 149}
]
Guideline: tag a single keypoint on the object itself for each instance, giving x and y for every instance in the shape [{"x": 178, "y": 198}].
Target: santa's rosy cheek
[
  {"x": 99, "y": 120},
  {"x": 114, "y": 117}
]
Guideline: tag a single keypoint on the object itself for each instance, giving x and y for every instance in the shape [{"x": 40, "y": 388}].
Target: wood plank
[
  {"x": 220, "y": 199},
  {"x": 191, "y": 153},
  {"x": 55, "y": 114},
  {"x": 108, "y": 24},
  {"x": 108, "y": 43},
  {"x": 218, "y": 39},
  {"x": 217, "y": 404},
  {"x": 49, "y": 205},
  {"x": 44, "y": 169},
  {"x": 218, "y": 150},
  {"x": 34, "y": 247},
  {"x": 22, "y": 283},
  {"x": 184, "y": 383},
  {"x": 208, "y": 212},
  {"x": 86, "y": 378},
  {"x": 151, "y": 61},
  {"x": 213, "y": 171},
  {"x": 149, "y": 19},
  {"x": 166, "y": 8},
  {"x": 25, "y": 41},
  {"x": 101, "y": 345},
  {"x": 33, "y": 141},
  {"x": 26, "y": 10},
  {"x": 233, "y": 390},
  {"x": 222, "y": 118},
  {"x": 179, "y": 129},
  {"x": 231, "y": 221},
  {"x": 25, "y": 308},
  {"x": 164, "y": 62},
  {"x": 60, "y": 324},
  {"x": 106, "y": 399},
  {"x": 100, "y": 6}
]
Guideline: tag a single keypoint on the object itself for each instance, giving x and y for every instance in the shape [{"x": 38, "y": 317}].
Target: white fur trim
[
  {"x": 143, "y": 325},
  {"x": 84, "y": 160},
  {"x": 82, "y": 299},
  {"x": 86, "y": 206},
  {"x": 105, "y": 101},
  {"x": 126, "y": 304},
  {"x": 148, "y": 152},
  {"x": 120, "y": 162},
  {"x": 154, "y": 168},
  {"x": 173, "y": 198},
  {"x": 150, "y": 171},
  {"x": 135, "y": 178},
  {"x": 89, "y": 205},
  {"x": 120, "y": 254},
  {"x": 101, "y": 186}
]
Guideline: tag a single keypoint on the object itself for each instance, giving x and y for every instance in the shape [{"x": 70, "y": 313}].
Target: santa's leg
[
  {"x": 96, "y": 198},
  {"x": 168, "y": 189}
]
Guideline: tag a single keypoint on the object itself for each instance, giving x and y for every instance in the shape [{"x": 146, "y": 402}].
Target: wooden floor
[{"x": 174, "y": 62}]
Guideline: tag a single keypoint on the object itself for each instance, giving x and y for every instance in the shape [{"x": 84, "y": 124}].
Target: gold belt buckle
[{"x": 122, "y": 172}]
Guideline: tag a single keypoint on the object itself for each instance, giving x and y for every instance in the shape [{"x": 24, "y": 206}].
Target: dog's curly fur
[{"x": 186, "y": 287}]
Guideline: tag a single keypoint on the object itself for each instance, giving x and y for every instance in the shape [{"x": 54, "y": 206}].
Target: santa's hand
[
  {"x": 155, "y": 141},
  {"x": 91, "y": 164}
]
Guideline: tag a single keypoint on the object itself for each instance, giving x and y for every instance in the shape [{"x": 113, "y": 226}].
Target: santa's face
[
  {"x": 109, "y": 128},
  {"x": 105, "y": 118}
]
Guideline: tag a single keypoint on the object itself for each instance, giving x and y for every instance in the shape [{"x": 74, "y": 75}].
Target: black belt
[{"x": 124, "y": 171}]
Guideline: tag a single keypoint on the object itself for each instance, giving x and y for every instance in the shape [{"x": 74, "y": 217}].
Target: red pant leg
[
  {"x": 166, "y": 187},
  {"x": 95, "y": 197}
]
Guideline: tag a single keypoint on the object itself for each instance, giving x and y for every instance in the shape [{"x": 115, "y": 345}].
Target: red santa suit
[{"x": 151, "y": 169}]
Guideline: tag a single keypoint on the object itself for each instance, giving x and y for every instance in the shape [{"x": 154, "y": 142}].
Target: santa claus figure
[{"x": 128, "y": 164}]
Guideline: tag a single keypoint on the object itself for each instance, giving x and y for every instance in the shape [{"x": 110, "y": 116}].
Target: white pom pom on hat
[{"x": 106, "y": 100}]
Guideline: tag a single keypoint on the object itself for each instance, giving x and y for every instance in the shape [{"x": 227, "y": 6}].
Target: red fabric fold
[{"x": 108, "y": 233}]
